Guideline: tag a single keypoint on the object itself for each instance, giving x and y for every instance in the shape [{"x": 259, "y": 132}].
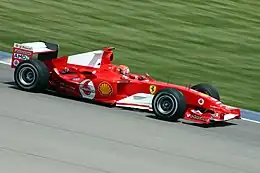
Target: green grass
[{"x": 184, "y": 42}]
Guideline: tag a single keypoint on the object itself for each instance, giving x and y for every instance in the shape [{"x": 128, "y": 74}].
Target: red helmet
[{"x": 124, "y": 70}]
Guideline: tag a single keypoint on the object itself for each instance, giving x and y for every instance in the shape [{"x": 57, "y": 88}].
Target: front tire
[
  {"x": 32, "y": 75},
  {"x": 207, "y": 89},
  {"x": 169, "y": 104}
]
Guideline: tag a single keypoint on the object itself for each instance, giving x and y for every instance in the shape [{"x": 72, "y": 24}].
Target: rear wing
[
  {"x": 94, "y": 59},
  {"x": 40, "y": 50}
]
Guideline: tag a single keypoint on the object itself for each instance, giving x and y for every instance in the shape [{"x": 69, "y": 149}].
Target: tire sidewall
[
  {"x": 31, "y": 67},
  {"x": 173, "y": 98},
  {"x": 177, "y": 98}
]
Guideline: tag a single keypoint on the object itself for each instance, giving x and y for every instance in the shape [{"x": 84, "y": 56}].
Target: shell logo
[{"x": 105, "y": 89}]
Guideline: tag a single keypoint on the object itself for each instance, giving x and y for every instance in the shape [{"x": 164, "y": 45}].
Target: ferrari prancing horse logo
[{"x": 152, "y": 89}]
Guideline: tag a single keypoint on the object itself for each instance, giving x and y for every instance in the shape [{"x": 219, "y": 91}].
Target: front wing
[{"x": 144, "y": 101}]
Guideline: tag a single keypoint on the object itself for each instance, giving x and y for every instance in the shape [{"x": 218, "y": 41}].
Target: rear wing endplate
[{"x": 26, "y": 51}]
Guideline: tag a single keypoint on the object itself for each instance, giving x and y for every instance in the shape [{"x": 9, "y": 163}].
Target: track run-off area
[{"x": 46, "y": 133}]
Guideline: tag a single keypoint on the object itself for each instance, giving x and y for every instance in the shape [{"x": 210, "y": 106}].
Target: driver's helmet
[{"x": 124, "y": 70}]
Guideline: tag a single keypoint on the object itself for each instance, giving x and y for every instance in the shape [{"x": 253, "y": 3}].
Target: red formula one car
[{"x": 92, "y": 76}]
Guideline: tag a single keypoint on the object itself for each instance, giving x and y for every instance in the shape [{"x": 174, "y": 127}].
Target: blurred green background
[{"x": 183, "y": 42}]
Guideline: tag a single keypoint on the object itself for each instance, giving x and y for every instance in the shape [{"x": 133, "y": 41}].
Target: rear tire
[
  {"x": 32, "y": 75},
  {"x": 169, "y": 104}
]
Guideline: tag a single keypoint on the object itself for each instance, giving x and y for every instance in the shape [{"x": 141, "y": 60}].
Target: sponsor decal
[
  {"x": 196, "y": 117},
  {"x": 87, "y": 89},
  {"x": 152, "y": 89},
  {"x": 19, "y": 51},
  {"x": 21, "y": 56},
  {"x": 21, "y": 46},
  {"x": 105, "y": 89},
  {"x": 16, "y": 62},
  {"x": 201, "y": 101}
]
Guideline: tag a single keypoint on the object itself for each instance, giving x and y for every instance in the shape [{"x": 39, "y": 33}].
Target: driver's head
[{"x": 124, "y": 70}]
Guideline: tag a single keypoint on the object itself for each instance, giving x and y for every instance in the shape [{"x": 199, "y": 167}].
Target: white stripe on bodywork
[
  {"x": 142, "y": 99},
  {"x": 133, "y": 106},
  {"x": 229, "y": 116}
]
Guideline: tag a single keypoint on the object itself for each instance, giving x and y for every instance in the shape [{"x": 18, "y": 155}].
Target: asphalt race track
[{"x": 44, "y": 133}]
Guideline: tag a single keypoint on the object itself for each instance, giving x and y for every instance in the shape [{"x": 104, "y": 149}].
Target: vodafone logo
[
  {"x": 16, "y": 62},
  {"x": 87, "y": 89},
  {"x": 201, "y": 101}
]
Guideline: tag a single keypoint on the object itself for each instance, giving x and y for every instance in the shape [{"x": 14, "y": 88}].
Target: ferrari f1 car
[{"x": 93, "y": 76}]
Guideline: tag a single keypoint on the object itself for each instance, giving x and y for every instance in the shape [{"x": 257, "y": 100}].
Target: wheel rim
[
  {"x": 27, "y": 76},
  {"x": 166, "y": 105}
]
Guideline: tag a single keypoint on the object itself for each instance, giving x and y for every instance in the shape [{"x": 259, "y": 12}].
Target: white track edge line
[
  {"x": 3, "y": 62},
  {"x": 253, "y": 121}
]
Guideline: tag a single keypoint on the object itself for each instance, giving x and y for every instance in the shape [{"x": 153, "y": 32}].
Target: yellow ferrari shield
[{"x": 152, "y": 89}]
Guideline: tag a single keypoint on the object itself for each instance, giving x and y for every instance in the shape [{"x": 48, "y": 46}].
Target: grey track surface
[{"x": 42, "y": 133}]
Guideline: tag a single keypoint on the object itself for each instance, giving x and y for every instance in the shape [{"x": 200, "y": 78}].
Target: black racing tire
[
  {"x": 32, "y": 75},
  {"x": 169, "y": 104},
  {"x": 207, "y": 89}
]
